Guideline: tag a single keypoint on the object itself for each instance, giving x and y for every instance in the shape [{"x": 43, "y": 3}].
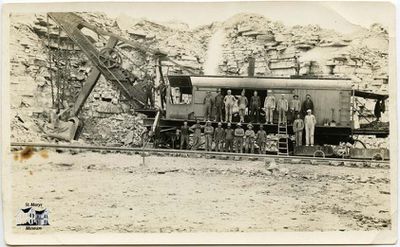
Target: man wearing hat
[
  {"x": 307, "y": 104},
  {"x": 298, "y": 126},
  {"x": 282, "y": 108},
  {"x": 242, "y": 103},
  {"x": 229, "y": 101},
  {"x": 294, "y": 107},
  {"x": 219, "y": 105},
  {"x": 229, "y": 137},
  {"x": 208, "y": 133},
  {"x": 261, "y": 139},
  {"x": 239, "y": 134},
  {"x": 184, "y": 135},
  {"x": 255, "y": 104},
  {"x": 208, "y": 102},
  {"x": 196, "y": 129},
  {"x": 310, "y": 122},
  {"x": 149, "y": 86},
  {"x": 219, "y": 136},
  {"x": 269, "y": 107},
  {"x": 250, "y": 136}
]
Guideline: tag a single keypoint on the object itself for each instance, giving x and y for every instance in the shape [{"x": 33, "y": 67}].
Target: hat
[
  {"x": 295, "y": 96},
  {"x": 208, "y": 121},
  {"x": 229, "y": 91},
  {"x": 249, "y": 126},
  {"x": 239, "y": 124},
  {"x": 309, "y": 110},
  {"x": 308, "y": 95},
  {"x": 269, "y": 91},
  {"x": 219, "y": 124}
]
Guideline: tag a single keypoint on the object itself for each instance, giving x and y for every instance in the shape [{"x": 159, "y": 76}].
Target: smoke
[{"x": 214, "y": 53}]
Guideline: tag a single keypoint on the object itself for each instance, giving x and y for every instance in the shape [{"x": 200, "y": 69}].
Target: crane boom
[{"x": 108, "y": 65}]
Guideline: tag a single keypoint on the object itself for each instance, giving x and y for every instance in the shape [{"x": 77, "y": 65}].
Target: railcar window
[{"x": 181, "y": 95}]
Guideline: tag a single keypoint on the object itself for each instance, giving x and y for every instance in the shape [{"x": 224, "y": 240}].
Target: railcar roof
[{"x": 258, "y": 82}]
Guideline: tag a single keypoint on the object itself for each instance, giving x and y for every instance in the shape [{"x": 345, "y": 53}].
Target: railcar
[{"x": 332, "y": 98}]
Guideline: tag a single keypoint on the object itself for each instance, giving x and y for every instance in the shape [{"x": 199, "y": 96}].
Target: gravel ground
[{"x": 93, "y": 192}]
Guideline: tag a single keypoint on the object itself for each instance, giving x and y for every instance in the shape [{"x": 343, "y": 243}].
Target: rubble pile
[
  {"x": 185, "y": 46},
  {"x": 26, "y": 131},
  {"x": 376, "y": 125},
  {"x": 117, "y": 130},
  {"x": 361, "y": 55},
  {"x": 373, "y": 142}
]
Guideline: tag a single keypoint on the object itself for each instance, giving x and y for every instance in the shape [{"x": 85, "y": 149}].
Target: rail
[{"x": 141, "y": 150}]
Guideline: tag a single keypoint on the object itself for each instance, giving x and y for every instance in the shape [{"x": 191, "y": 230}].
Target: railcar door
[{"x": 344, "y": 108}]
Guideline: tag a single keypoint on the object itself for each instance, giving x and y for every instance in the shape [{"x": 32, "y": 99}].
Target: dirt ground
[{"x": 93, "y": 192}]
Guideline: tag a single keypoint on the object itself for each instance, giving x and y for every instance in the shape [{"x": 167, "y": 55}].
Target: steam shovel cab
[{"x": 331, "y": 98}]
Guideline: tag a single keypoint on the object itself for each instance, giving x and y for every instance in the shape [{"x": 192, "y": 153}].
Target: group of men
[
  {"x": 285, "y": 109},
  {"x": 228, "y": 140},
  {"x": 150, "y": 88},
  {"x": 228, "y": 102},
  {"x": 308, "y": 124}
]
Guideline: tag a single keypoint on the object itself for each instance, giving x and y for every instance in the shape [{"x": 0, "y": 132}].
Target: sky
[{"x": 336, "y": 15}]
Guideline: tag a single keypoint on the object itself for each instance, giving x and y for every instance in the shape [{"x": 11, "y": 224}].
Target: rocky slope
[
  {"x": 361, "y": 55},
  {"x": 218, "y": 48}
]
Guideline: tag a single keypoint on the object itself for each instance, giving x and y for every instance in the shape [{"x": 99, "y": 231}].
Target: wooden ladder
[{"x": 283, "y": 146}]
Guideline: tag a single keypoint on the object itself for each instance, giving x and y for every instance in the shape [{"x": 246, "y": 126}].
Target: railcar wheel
[
  {"x": 377, "y": 156},
  {"x": 319, "y": 152},
  {"x": 109, "y": 58},
  {"x": 360, "y": 142},
  {"x": 342, "y": 152}
]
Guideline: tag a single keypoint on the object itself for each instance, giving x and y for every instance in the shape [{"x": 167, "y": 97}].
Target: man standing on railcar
[
  {"x": 261, "y": 139},
  {"x": 229, "y": 137},
  {"x": 310, "y": 122},
  {"x": 229, "y": 101},
  {"x": 219, "y": 136},
  {"x": 219, "y": 105},
  {"x": 208, "y": 102},
  {"x": 255, "y": 104},
  {"x": 184, "y": 135},
  {"x": 269, "y": 107},
  {"x": 149, "y": 88},
  {"x": 250, "y": 137},
  {"x": 307, "y": 105},
  {"x": 294, "y": 107},
  {"x": 242, "y": 103},
  {"x": 208, "y": 132},
  {"x": 239, "y": 135},
  {"x": 196, "y": 129},
  {"x": 298, "y": 126},
  {"x": 282, "y": 108}
]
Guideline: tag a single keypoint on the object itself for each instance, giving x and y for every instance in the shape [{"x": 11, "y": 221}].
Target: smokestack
[{"x": 250, "y": 69}]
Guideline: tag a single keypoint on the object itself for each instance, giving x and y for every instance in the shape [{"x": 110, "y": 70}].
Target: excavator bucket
[{"x": 66, "y": 130}]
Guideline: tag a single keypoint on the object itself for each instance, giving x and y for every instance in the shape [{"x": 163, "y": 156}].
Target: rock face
[
  {"x": 36, "y": 84},
  {"x": 361, "y": 55}
]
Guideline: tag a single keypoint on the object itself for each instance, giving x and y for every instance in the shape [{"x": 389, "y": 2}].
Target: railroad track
[{"x": 205, "y": 154}]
